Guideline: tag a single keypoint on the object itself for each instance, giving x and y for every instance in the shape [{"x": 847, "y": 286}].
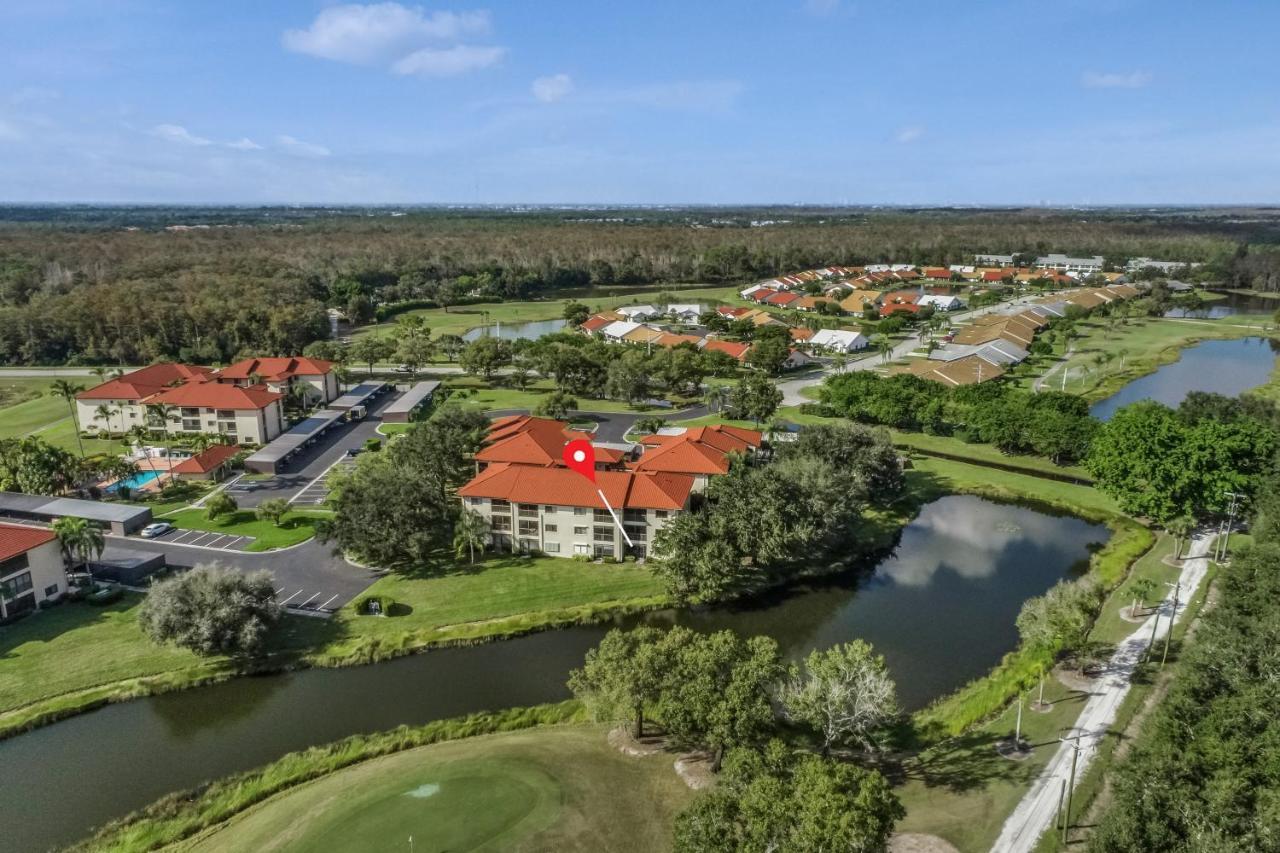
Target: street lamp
[{"x": 1220, "y": 552}]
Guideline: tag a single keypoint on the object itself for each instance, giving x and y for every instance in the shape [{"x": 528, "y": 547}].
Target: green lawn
[
  {"x": 458, "y": 320},
  {"x": 28, "y": 407},
  {"x": 76, "y": 648},
  {"x": 503, "y": 594},
  {"x": 932, "y": 476},
  {"x": 295, "y": 527},
  {"x": 492, "y": 396},
  {"x": 1110, "y": 628}
]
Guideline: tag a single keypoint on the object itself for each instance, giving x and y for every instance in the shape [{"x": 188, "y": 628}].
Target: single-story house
[
  {"x": 839, "y": 340},
  {"x": 796, "y": 358},
  {"x": 859, "y": 300},
  {"x": 643, "y": 335},
  {"x": 781, "y": 300},
  {"x": 210, "y": 464},
  {"x": 618, "y": 329},
  {"x": 942, "y": 302},
  {"x": 689, "y": 313},
  {"x": 809, "y": 303},
  {"x": 639, "y": 313},
  {"x": 733, "y": 348}
]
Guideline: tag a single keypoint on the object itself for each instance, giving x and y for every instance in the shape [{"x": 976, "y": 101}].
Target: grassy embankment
[
  {"x": 1136, "y": 348},
  {"x": 29, "y": 407}
]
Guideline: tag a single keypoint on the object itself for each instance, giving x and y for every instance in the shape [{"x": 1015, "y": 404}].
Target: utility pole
[
  {"x": 1177, "y": 589},
  {"x": 1017, "y": 730},
  {"x": 1155, "y": 624},
  {"x": 1071, "y": 785},
  {"x": 1062, "y": 794}
]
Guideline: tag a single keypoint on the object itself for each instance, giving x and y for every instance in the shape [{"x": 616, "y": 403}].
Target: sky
[{"x": 1069, "y": 102}]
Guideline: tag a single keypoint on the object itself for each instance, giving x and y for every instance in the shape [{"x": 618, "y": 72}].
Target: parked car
[
  {"x": 404, "y": 368},
  {"x": 151, "y": 531},
  {"x": 353, "y": 451}
]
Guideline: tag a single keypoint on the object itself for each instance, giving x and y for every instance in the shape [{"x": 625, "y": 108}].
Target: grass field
[
  {"x": 28, "y": 407},
  {"x": 556, "y": 788},
  {"x": 493, "y": 397},
  {"x": 294, "y": 527},
  {"x": 457, "y": 321}
]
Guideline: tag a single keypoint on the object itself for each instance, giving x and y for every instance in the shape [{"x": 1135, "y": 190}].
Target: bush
[
  {"x": 105, "y": 595},
  {"x": 220, "y": 504},
  {"x": 373, "y": 445},
  {"x": 273, "y": 510},
  {"x": 821, "y": 410},
  {"x": 212, "y": 610},
  {"x": 364, "y": 605}
]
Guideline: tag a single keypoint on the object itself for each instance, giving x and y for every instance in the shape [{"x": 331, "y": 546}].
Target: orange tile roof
[
  {"x": 215, "y": 395},
  {"x": 276, "y": 369},
  {"x": 596, "y": 323},
  {"x": 671, "y": 340},
  {"x": 733, "y": 348},
  {"x": 15, "y": 539},
  {"x": 528, "y": 484},
  {"x": 782, "y": 300},
  {"x": 938, "y": 272},
  {"x": 526, "y": 440},
  {"x": 144, "y": 382},
  {"x": 206, "y": 460},
  {"x": 698, "y": 450},
  {"x": 799, "y": 334}
]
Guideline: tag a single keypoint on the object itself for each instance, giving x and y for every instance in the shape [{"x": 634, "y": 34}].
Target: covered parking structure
[
  {"x": 269, "y": 459},
  {"x": 362, "y": 395},
  {"x": 118, "y": 518},
  {"x": 407, "y": 406}
]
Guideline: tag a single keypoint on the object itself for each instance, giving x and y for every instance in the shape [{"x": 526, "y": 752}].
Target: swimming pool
[{"x": 137, "y": 481}]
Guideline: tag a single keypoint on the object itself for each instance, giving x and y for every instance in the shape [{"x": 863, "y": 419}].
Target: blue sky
[{"x": 805, "y": 101}]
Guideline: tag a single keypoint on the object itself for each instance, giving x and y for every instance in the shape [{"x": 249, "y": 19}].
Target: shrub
[
  {"x": 373, "y": 445},
  {"x": 821, "y": 410},
  {"x": 220, "y": 504},
  {"x": 212, "y": 610},
  {"x": 364, "y": 605},
  {"x": 105, "y": 595},
  {"x": 273, "y": 510}
]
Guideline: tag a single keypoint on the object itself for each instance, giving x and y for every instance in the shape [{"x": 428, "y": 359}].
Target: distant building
[
  {"x": 838, "y": 340},
  {"x": 994, "y": 260},
  {"x": 1166, "y": 267},
  {"x": 1069, "y": 264},
  {"x": 31, "y": 568}
]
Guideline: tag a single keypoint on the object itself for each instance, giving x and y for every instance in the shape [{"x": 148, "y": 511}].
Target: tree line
[{"x": 123, "y": 296}]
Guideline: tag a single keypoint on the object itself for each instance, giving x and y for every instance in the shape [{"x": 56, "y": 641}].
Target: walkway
[{"x": 1038, "y": 810}]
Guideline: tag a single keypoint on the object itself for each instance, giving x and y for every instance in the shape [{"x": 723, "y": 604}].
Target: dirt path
[{"x": 1038, "y": 808}]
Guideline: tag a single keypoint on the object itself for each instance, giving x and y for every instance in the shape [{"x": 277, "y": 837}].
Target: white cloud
[
  {"x": 244, "y": 143},
  {"x": 304, "y": 149},
  {"x": 449, "y": 61},
  {"x": 410, "y": 40},
  {"x": 1113, "y": 80},
  {"x": 909, "y": 134},
  {"x": 177, "y": 133},
  {"x": 552, "y": 88}
]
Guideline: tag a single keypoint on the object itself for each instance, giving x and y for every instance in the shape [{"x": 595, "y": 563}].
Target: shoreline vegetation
[{"x": 930, "y": 479}]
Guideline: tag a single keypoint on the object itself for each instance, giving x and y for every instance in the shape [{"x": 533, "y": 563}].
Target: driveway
[{"x": 612, "y": 427}]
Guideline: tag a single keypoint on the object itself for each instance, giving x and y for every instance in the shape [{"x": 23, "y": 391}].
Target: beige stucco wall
[
  {"x": 44, "y": 563},
  {"x": 562, "y": 531}
]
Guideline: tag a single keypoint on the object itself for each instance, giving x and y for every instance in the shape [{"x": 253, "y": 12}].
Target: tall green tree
[
  {"x": 843, "y": 693},
  {"x": 626, "y": 672},
  {"x": 755, "y": 397},
  {"x": 470, "y": 532},
  {"x": 81, "y": 540},
  {"x": 68, "y": 391}
]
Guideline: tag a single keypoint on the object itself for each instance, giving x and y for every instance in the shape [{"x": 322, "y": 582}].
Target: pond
[
  {"x": 1224, "y": 367},
  {"x": 531, "y": 331},
  {"x": 1232, "y": 304},
  {"x": 941, "y": 609}
]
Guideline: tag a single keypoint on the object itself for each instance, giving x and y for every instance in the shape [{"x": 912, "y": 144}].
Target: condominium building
[{"x": 31, "y": 568}]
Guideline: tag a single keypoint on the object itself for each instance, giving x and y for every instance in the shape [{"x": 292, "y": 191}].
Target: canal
[
  {"x": 941, "y": 609},
  {"x": 1224, "y": 367}
]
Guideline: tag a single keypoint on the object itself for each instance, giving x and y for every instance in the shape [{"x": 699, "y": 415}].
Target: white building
[
  {"x": 640, "y": 313},
  {"x": 1166, "y": 267},
  {"x": 838, "y": 340},
  {"x": 1056, "y": 261},
  {"x": 686, "y": 313},
  {"x": 942, "y": 302},
  {"x": 616, "y": 330},
  {"x": 31, "y": 568},
  {"x": 993, "y": 260}
]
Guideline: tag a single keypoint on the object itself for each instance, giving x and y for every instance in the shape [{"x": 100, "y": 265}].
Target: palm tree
[
  {"x": 885, "y": 347},
  {"x": 80, "y": 540},
  {"x": 68, "y": 392},
  {"x": 717, "y": 396},
  {"x": 161, "y": 412},
  {"x": 1123, "y": 353},
  {"x": 105, "y": 413},
  {"x": 139, "y": 435},
  {"x": 469, "y": 533},
  {"x": 1180, "y": 528}
]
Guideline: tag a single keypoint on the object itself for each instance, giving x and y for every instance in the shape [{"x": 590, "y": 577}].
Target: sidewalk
[{"x": 1037, "y": 811}]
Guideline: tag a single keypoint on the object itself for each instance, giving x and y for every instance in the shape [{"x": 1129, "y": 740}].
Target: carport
[
  {"x": 118, "y": 518},
  {"x": 269, "y": 459}
]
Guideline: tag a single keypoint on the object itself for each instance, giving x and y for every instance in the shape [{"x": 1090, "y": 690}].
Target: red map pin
[{"x": 581, "y": 457}]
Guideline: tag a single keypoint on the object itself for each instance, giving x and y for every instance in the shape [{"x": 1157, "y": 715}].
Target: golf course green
[{"x": 539, "y": 789}]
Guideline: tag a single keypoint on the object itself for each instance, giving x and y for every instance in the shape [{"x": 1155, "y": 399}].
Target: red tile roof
[
  {"x": 996, "y": 275},
  {"x": 762, "y": 294},
  {"x": 731, "y": 311},
  {"x": 780, "y": 299},
  {"x": 144, "y": 382},
  {"x": 801, "y": 334},
  {"x": 699, "y": 450},
  {"x": 528, "y": 484},
  {"x": 938, "y": 272},
  {"x": 207, "y": 460},
  {"x": 733, "y": 348},
  {"x": 15, "y": 540},
  {"x": 275, "y": 369},
  {"x": 596, "y": 323},
  {"x": 215, "y": 395}
]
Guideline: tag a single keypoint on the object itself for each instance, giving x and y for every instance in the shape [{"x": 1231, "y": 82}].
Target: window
[
  {"x": 475, "y": 501},
  {"x": 660, "y": 513},
  {"x": 501, "y": 506},
  {"x": 602, "y": 534},
  {"x": 552, "y": 547},
  {"x": 191, "y": 424},
  {"x": 20, "y": 562},
  {"x": 579, "y": 531},
  {"x": 582, "y": 549},
  {"x": 550, "y": 528},
  {"x": 15, "y": 586},
  {"x": 528, "y": 528},
  {"x": 548, "y": 508},
  {"x": 226, "y": 415},
  {"x": 50, "y": 590},
  {"x": 633, "y": 516},
  {"x": 603, "y": 515},
  {"x": 501, "y": 522},
  {"x": 528, "y": 510},
  {"x": 637, "y": 534},
  {"x": 579, "y": 510}
]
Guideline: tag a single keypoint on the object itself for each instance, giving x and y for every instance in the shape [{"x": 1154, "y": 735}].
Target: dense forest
[{"x": 138, "y": 284}]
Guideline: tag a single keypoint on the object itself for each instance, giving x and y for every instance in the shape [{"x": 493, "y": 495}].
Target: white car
[{"x": 151, "y": 531}]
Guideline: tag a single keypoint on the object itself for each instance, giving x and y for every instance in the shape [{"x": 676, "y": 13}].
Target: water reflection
[{"x": 517, "y": 331}]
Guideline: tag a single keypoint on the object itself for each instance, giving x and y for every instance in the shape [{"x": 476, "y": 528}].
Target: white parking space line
[
  {"x": 326, "y": 604},
  {"x": 308, "y": 601},
  {"x": 216, "y": 543},
  {"x": 290, "y": 598}
]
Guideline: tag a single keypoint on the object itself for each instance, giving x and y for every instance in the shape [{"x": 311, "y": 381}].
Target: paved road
[
  {"x": 612, "y": 427},
  {"x": 309, "y": 577},
  {"x": 1036, "y": 812}
]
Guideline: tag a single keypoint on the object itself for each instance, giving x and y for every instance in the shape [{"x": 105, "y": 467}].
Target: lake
[
  {"x": 1224, "y": 367},
  {"x": 517, "y": 331},
  {"x": 940, "y": 608}
]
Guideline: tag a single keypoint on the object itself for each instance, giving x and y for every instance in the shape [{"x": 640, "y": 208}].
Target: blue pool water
[{"x": 137, "y": 481}]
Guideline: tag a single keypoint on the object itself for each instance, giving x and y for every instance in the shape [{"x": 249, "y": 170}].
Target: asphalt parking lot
[
  {"x": 205, "y": 539},
  {"x": 317, "y": 491}
]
